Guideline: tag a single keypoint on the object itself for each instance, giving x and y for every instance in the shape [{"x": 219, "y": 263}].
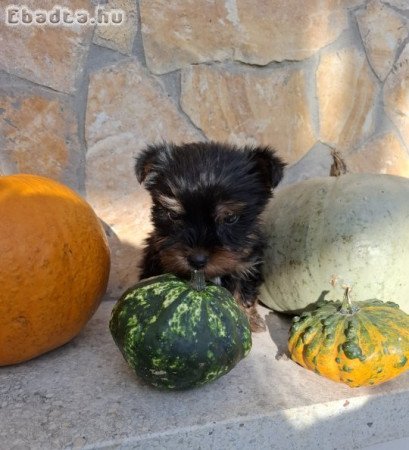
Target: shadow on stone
[
  {"x": 125, "y": 260},
  {"x": 278, "y": 326}
]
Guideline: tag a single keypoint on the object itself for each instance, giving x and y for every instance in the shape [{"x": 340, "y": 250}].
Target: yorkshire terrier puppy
[{"x": 207, "y": 201}]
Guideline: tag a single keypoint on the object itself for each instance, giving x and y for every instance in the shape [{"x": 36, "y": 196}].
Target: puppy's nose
[{"x": 198, "y": 259}]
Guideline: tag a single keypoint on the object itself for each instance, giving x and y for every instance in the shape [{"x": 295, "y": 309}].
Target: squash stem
[
  {"x": 347, "y": 307},
  {"x": 197, "y": 280}
]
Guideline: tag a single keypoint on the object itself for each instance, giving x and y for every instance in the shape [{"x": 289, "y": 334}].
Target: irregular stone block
[
  {"x": 52, "y": 56},
  {"x": 40, "y": 136},
  {"x": 119, "y": 37},
  {"x": 347, "y": 92},
  {"x": 279, "y": 30},
  {"x": 180, "y": 32},
  {"x": 269, "y": 107},
  {"x": 383, "y": 154},
  {"x": 382, "y": 31},
  {"x": 125, "y": 98}
]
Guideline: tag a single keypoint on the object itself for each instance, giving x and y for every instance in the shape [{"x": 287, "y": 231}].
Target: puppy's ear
[
  {"x": 270, "y": 166},
  {"x": 146, "y": 161}
]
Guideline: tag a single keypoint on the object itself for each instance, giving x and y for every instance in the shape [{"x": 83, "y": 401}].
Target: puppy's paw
[
  {"x": 248, "y": 302},
  {"x": 257, "y": 323}
]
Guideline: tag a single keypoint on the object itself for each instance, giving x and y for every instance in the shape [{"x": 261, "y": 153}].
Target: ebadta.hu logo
[{"x": 15, "y": 15}]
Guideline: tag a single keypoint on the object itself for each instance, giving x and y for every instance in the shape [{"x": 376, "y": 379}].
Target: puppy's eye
[
  {"x": 174, "y": 216},
  {"x": 230, "y": 219}
]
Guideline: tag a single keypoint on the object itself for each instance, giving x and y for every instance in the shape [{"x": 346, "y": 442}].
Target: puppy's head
[{"x": 207, "y": 198}]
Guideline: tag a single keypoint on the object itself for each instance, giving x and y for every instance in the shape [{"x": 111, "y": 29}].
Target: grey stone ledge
[{"x": 83, "y": 395}]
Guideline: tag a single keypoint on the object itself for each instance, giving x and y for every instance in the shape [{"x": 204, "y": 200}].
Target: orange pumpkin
[{"x": 54, "y": 266}]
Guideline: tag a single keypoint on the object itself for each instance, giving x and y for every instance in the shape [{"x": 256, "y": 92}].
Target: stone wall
[{"x": 78, "y": 103}]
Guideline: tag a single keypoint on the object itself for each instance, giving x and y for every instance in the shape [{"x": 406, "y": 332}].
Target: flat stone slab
[{"x": 83, "y": 395}]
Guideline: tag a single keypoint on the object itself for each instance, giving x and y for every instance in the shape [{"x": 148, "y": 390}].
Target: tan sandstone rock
[
  {"x": 119, "y": 201},
  {"x": 280, "y": 30},
  {"x": 269, "y": 107},
  {"x": 382, "y": 31},
  {"x": 396, "y": 95},
  {"x": 119, "y": 37},
  {"x": 39, "y": 136},
  {"x": 347, "y": 90},
  {"x": 384, "y": 154},
  {"x": 52, "y": 56},
  {"x": 127, "y": 109},
  {"x": 180, "y": 32}
]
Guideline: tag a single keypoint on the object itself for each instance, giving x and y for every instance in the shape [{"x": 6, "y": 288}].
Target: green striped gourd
[
  {"x": 362, "y": 343},
  {"x": 176, "y": 334}
]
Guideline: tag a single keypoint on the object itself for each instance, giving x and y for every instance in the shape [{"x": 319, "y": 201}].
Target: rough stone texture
[
  {"x": 400, "y": 4},
  {"x": 316, "y": 163},
  {"x": 127, "y": 109},
  {"x": 382, "y": 31},
  {"x": 269, "y": 107},
  {"x": 396, "y": 95},
  {"x": 123, "y": 205},
  {"x": 50, "y": 56},
  {"x": 84, "y": 395},
  {"x": 180, "y": 32},
  {"x": 124, "y": 98},
  {"x": 384, "y": 154},
  {"x": 347, "y": 92},
  {"x": 38, "y": 134},
  {"x": 119, "y": 37},
  {"x": 278, "y": 30}
]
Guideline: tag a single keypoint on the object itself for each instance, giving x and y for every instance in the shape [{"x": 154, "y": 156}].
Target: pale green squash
[{"x": 326, "y": 232}]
